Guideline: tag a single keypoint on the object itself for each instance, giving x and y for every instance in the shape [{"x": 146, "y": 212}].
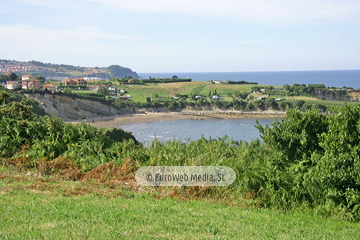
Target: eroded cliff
[{"x": 75, "y": 108}]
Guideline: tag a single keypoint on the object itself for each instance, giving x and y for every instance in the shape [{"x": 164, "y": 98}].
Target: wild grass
[{"x": 58, "y": 210}]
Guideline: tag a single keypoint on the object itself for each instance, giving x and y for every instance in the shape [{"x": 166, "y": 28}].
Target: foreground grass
[{"x": 46, "y": 209}]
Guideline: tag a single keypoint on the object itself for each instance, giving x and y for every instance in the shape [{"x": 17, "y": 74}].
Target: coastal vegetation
[
  {"x": 206, "y": 96},
  {"x": 305, "y": 168},
  {"x": 306, "y": 162}
]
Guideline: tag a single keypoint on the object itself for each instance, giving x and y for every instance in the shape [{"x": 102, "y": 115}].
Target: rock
[{"x": 69, "y": 109}]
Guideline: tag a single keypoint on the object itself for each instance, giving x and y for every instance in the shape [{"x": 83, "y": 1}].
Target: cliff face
[
  {"x": 333, "y": 96},
  {"x": 75, "y": 109}
]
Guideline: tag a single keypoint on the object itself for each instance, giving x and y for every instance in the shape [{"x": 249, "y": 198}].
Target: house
[
  {"x": 27, "y": 77},
  {"x": 216, "y": 97},
  {"x": 11, "y": 85},
  {"x": 93, "y": 87},
  {"x": 30, "y": 83},
  {"x": 112, "y": 89},
  {"x": 125, "y": 98},
  {"x": 92, "y": 78},
  {"x": 79, "y": 81},
  {"x": 49, "y": 86}
]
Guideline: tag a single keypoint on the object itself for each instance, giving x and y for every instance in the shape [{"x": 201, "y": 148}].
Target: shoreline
[{"x": 128, "y": 119}]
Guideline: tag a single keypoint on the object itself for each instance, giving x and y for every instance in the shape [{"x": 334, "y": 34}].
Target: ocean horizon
[{"x": 331, "y": 78}]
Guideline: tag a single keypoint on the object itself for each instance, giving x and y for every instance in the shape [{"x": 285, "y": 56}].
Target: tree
[
  {"x": 148, "y": 99},
  {"x": 13, "y": 77},
  {"x": 174, "y": 77},
  {"x": 287, "y": 87},
  {"x": 115, "y": 80},
  {"x": 67, "y": 90},
  {"x": 104, "y": 91},
  {"x": 4, "y": 78},
  {"x": 4, "y": 97},
  {"x": 41, "y": 78}
]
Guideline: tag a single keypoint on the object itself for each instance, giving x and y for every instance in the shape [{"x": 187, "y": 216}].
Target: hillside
[{"x": 63, "y": 70}]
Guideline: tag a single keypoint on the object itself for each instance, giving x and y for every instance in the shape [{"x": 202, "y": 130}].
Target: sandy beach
[{"x": 120, "y": 120}]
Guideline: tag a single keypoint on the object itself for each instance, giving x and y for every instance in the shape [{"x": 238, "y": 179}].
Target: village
[{"x": 30, "y": 82}]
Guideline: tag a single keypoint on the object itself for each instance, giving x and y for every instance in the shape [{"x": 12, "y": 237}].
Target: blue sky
[{"x": 184, "y": 36}]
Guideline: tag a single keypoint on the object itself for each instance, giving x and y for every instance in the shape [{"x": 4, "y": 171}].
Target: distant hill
[{"x": 64, "y": 70}]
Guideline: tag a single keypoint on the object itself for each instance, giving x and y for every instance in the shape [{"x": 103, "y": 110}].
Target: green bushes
[
  {"x": 313, "y": 161},
  {"x": 307, "y": 160},
  {"x": 26, "y": 135}
]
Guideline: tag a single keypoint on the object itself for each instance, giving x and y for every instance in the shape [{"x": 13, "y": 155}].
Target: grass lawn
[
  {"x": 45, "y": 209},
  {"x": 163, "y": 90}
]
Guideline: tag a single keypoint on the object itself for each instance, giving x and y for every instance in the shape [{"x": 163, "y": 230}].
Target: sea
[
  {"x": 186, "y": 130},
  {"x": 235, "y": 129},
  {"x": 331, "y": 78}
]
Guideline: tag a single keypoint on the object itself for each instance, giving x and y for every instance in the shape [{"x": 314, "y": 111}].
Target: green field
[
  {"x": 35, "y": 208},
  {"x": 165, "y": 91}
]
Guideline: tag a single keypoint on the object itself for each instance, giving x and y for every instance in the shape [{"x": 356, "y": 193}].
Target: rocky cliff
[{"x": 75, "y": 109}]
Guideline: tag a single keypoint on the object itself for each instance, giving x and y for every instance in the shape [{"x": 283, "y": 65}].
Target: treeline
[
  {"x": 254, "y": 105},
  {"x": 240, "y": 82},
  {"x": 307, "y": 161},
  {"x": 166, "y": 80},
  {"x": 309, "y": 90}
]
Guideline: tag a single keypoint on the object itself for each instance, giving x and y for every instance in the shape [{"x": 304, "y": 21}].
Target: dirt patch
[
  {"x": 188, "y": 193},
  {"x": 61, "y": 168},
  {"x": 111, "y": 174}
]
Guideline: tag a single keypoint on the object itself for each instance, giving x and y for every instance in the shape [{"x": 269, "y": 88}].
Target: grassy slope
[
  {"x": 48, "y": 209},
  {"x": 140, "y": 92},
  {"x": 166, "y": 90}
]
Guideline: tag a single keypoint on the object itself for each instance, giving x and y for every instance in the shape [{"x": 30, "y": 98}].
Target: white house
[
  {"x": 11, "y": 85},
  {"x": 27, "y": 77},
  {"x": 216, "y": 97}
]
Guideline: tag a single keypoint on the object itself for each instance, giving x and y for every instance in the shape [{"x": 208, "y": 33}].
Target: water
[
  {"x": 334, "y": 78},
  {"x": 191, "y": 129}
]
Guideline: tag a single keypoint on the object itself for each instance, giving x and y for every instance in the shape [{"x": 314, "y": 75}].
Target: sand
[{"x": 120, "y": 120}]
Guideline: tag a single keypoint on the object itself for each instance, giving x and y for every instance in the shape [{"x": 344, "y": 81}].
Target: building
[
  {"x": 31, "y": 83},
  {"x": 92, "y": 78},
  {"x": 93, "y": 87},
  {"x": 27, "y": 77},
  {"x": 79, "y": 81},
  {"x": 11, "y": 85},
  {"x": 49, "y": 86},
  {"x": 125, "y": 98}
]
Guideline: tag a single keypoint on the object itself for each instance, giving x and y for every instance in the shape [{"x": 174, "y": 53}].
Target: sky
[{"x": 184, "y": 35}]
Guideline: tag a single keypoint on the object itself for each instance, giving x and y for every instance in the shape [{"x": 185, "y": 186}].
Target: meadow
[
  {"x": 44, "y": 208},
  {"x": 163, "y": 92}
]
